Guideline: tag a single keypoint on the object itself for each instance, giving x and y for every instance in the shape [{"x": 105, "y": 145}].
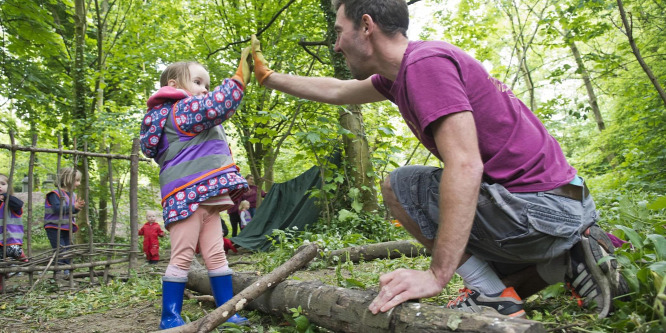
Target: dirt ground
[{"x": 142, "y": 317}]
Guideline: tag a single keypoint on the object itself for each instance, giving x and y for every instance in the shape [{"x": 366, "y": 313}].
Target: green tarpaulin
[{"x": 286, "y": 205}]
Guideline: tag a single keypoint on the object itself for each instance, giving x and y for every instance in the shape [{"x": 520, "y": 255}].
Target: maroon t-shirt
[{"x": 437, "y": 79}]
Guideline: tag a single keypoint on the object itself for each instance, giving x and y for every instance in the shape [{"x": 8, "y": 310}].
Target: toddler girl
[
  {"x": 198, "y": 176},
  {"x": 150, "y": 231},
  {"x": 245, "y": 216},
  {"x": 14, "y": 225},
  {"x": 57, "y": 215}
]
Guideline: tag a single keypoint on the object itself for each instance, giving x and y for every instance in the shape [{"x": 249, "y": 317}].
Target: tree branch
[{"x": 258, "y": 32}]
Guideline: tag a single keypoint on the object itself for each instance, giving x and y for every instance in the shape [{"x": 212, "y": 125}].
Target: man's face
[{"x": 352, "y": 45}]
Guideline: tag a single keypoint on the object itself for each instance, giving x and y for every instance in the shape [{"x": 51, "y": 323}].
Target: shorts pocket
[{"x": 553, "y": 222}]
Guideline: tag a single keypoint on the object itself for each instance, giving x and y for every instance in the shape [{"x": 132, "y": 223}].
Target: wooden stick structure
[{"x": 91, "y": 252}]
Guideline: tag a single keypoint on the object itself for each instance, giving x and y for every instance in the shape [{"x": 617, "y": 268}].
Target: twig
[{"x": 43, "y": 272}]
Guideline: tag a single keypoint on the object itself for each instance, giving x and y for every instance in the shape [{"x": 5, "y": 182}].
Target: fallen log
[
  {"x": 249, "y": 291},
  {"x": 346, "y": 310},
  {"x": 386, "y": 250}
]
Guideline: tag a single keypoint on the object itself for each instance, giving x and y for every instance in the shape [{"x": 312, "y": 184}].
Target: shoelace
[
  {"x": 463, "y": 296},
  {"x": 575, "y": 295}
]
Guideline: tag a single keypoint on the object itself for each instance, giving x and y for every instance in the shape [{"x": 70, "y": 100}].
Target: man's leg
[{"x": 411, "y": 194}]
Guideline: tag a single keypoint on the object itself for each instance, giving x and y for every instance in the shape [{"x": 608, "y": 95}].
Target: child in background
[
  {"x": 198, "y": 176},
  {"x": 150, "y": 231},
  {"x": 59, "y": 202},
  {"x": 14, "y": 223},
  {"x": 245, "y": 216}
]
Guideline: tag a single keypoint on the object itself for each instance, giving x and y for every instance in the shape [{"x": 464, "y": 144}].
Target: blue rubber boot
[
  {"x": 222, "y": 291},
  {"x": 172, "y": 302}
]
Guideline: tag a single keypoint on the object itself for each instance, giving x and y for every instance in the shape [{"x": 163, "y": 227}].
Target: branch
[
  {"x": 258, "y": 32},
  {"x": 304, "y": 44}
]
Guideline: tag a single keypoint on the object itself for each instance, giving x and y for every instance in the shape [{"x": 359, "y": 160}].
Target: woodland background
[{"x": 593, "y": 71}]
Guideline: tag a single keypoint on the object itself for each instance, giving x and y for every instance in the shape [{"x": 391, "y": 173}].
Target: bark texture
[
  {"x": 346, "y": 310},
  {"x": 386, "y": 250}
]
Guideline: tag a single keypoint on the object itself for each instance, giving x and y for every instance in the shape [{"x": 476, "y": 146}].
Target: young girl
[
  {"x": 245, "y": 216},
  {"x": 198, "y": 176},
  {"x": 150, "y": 231},
  {"x": 14, "y": 225},
  {"x": 57, "y": 218}
]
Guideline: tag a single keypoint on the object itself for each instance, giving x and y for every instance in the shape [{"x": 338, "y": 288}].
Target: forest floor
[{"x": 140, "y": 317}]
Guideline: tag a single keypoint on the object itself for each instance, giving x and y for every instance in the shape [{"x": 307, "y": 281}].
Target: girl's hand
[{"x": 79, "y": 204}]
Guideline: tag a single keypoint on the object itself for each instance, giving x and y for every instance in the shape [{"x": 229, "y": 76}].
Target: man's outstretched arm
[{"x": 321, "y": 89}]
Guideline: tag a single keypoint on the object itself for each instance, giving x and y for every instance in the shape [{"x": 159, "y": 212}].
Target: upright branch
[{"x": 628, "y": 31}]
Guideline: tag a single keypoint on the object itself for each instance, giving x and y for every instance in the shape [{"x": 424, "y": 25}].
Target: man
[{"x": 507, "y": 212}]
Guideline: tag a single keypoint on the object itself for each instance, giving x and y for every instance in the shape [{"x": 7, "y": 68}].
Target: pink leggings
[{"x": 204, "y": 228}]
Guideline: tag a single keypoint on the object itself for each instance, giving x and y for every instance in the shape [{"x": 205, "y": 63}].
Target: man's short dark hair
[{"x": 391, "y": 16}]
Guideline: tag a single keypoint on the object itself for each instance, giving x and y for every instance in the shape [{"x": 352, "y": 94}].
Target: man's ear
[
  {"x": 172, "y": 83},
  {"x": 367, "y": 24}
]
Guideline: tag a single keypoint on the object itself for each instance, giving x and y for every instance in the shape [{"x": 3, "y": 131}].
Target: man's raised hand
[{"x": 261, "y": 70}]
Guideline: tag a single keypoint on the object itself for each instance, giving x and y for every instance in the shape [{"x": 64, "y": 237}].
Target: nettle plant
[{"x": 641, "y": 222}]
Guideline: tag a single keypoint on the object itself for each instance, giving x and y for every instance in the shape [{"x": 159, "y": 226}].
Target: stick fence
[{"x": 91, "y": 254}]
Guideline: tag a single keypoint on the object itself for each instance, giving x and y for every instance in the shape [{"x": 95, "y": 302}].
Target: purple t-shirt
[{"x": 437, "y": 79}]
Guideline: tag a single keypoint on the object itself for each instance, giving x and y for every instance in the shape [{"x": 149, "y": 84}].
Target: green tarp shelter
[{"x": 286, "y": 205}]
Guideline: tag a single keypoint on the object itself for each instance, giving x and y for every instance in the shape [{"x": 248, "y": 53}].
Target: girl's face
[
  {"x": 4, "y": 184},
  {"x": 77, "y": 182},
  {"x": 199, "y": 80}
]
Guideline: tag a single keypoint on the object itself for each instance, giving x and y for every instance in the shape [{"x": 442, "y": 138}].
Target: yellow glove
[
  {"x": 243, "y": 72},
  {"x": 261, "y": 70}
]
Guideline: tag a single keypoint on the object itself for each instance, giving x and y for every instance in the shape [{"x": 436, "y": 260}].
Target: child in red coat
[{"x": 151, "y": 230}]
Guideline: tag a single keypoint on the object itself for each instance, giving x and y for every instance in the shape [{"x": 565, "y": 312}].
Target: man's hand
[
  {"x": 261, "y": 70},
  {"x": 243, "y": 72},
  {"x": 402, "y": 285}
]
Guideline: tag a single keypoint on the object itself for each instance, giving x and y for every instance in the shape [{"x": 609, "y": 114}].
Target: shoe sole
[
  {"x": 619, "y": 286},
  {"x": 598, "y": 274}
]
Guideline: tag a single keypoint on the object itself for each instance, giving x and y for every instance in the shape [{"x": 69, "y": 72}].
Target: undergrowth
[{"x": 638, "y": 219}]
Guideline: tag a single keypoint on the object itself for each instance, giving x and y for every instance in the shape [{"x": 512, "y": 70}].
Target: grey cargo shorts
[{"x": 512, "y": 228}]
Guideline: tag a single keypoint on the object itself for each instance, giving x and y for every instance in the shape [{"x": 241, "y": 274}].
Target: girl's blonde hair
[
  {"x": 9, "y": 188},
  {"x": 244, "y": 204},
  {"x": 178, "y": 71},
  {"x": 67, "y": 177}
]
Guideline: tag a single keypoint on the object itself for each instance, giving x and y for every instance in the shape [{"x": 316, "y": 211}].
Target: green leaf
[
  {"x": 659, "y": 203},
  {"x": 659, "y": 244},
  {"x": 633, "y": 236}
]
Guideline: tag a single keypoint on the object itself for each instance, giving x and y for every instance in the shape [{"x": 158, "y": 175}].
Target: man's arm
[
  {"x": 455, "y": 136},
  {"x": 457, "y": 143},
  {"x": 320, "y": 89},
  {"x": 325, "y": 89}
]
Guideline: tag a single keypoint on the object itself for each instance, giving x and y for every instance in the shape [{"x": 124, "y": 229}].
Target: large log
[
  {"x": 346, "y": 310},
  {"x": 390, "y": 250}
]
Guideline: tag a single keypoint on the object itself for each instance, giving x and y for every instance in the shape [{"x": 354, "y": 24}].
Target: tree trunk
[
  {"x": 346, "y": 310},
  {"x": 634, "y": 48},
  {"x": 359, "y": 167},
  {"x": 79, "y": 114},
  {"x": 591, "y": 95},
  {"x": 102, "y": 190}
]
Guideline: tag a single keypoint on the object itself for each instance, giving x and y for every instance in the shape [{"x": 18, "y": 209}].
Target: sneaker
[
  {"x": 590, "y": 282},
  {"x": 507, "y": 303}
]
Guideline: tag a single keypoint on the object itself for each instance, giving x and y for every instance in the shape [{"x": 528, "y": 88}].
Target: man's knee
[{"x": 387, "y": 191}]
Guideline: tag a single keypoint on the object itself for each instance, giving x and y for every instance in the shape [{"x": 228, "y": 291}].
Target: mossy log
[{"x": 346, "y": 310}]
